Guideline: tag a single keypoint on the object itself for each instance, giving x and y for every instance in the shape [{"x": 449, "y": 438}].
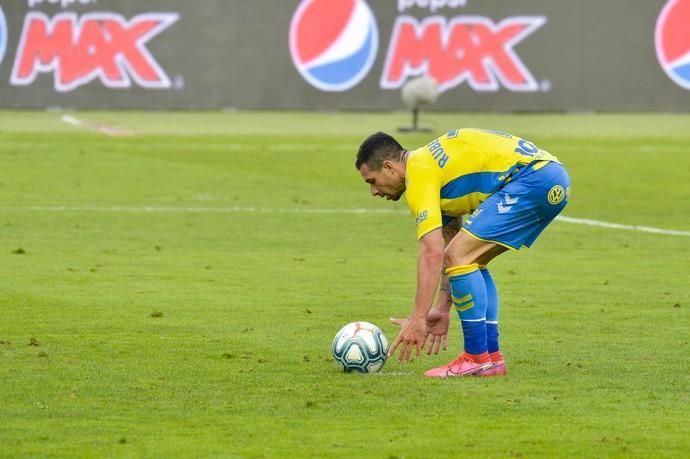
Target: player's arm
[
  {"x": 444, "y": 301},
  {"x": 423, "y": 199},
  {"x": 413, "y": 332},
  {"x": 438, "y": 318},
  {"x": 429, "y": 268}
]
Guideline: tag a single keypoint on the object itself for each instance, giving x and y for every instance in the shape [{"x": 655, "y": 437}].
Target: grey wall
[{"x": 581, "y": 55}]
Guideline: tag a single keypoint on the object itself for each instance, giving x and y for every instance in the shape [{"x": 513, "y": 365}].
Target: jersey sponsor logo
[
  {"x": 423, "y": 215},
  {"x": 556, "y": 194},
  {"x": 98, "y": 45},
  {"x": 672, "y": 41},
  {"x": 3, "y": 35},
  {"x": 333, "y": 43},
  {"x": 471, "y": 49}
]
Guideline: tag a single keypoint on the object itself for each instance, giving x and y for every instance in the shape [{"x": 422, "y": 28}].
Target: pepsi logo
[
  {"x": 333, "y": 43},
  {"x": 672, "y": 41},
  {"x": 3, "y": 35}
]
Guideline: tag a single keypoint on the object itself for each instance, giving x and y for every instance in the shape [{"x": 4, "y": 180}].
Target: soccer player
[{"x": 508, "y": 188}]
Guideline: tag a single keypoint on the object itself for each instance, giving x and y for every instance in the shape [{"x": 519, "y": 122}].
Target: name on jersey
[{"x": 438, "y": 153}]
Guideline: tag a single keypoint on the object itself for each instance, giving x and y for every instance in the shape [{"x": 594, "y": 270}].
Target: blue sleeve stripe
[
  {"x": 477, "y": 182},
  {"x": 482, "y": 182}
]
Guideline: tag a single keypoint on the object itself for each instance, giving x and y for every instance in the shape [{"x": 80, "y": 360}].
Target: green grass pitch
[{"x": 174, "y": 293}]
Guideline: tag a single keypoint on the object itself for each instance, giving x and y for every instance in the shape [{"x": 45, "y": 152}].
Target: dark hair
[{"x": 376, "y": 149}]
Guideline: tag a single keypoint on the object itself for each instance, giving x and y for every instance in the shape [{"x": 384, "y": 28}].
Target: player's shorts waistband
[
  {"x": 529, "y": 167},
  {"x": 536, "y": 165}
]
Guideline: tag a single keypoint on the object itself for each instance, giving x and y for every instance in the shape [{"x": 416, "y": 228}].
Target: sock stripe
[
  {"x": 467, "y": 285},
  {"x": 464, "y": 307},
  {"x": 464, "y": 299}
]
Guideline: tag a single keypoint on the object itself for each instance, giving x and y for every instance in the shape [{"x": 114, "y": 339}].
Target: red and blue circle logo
[
  {"x": 333, "y": 43},
  {"x": 3, "y": 35},
  {"x": 672, "y": 40}
]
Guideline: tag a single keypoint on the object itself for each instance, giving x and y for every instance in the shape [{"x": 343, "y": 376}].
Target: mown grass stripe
[{"x": 297, "y": 210}]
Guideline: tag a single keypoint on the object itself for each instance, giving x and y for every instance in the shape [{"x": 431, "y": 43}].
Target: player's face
[{"x": 386, "y": 182}]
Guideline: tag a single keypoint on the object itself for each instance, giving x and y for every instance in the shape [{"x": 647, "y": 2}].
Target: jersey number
[{"x": 526, "y": 148}]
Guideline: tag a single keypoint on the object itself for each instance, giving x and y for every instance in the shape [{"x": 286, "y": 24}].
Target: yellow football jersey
[{"x": 452, "y": 175}]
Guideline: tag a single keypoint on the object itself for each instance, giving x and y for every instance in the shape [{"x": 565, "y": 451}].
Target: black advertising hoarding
[{"x": 529, "y": 55}]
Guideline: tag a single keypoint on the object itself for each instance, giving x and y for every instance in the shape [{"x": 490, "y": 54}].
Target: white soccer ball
[{"x": 360, "y": 346}]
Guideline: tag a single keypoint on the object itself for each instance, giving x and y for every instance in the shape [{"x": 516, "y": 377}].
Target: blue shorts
[{"x": 516, "y": 214}]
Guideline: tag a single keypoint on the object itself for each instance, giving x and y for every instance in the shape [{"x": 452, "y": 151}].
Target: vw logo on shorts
[
  {"x": 3, "y": 35},
  {"x": 556, "y": 194},
  {"x": 672, "y": 41},
  {"x": 333, "y": 43}
]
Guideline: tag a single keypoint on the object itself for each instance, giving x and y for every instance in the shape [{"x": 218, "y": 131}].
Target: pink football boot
[
  {"x": 497, "y": 369},
  {"x": 465, "y": 365}
]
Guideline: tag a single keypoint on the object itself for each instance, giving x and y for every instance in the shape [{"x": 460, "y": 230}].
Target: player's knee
[
  {"x": 453, "y": 258},
  {"x": 466, "y": 251}
]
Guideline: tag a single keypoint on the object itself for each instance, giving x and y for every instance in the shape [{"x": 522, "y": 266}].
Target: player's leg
[
  {"x": 492, "y": 333},
  {"x": 492, "y": 303},
  {"x": 511, "y": 218},
  {"x": 492, "y": 306},
  {"x": 534, "y": 200},
  {"x": 469, "y": 295}
]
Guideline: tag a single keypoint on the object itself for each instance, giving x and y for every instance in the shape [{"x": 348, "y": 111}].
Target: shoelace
[{"x": 456, "y": 361}]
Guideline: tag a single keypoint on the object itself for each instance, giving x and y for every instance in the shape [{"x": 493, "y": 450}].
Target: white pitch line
[
  {"x": 113, "y": 131},
  {"x": 296, "y": 210},
  {"x": 642, "y": 229},
  {"x": 69, "y": 119},
  {"x": 234, "y": 209}
]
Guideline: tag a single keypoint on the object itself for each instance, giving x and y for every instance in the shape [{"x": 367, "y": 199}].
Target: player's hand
[
  {"x": 412, "y": 336},
  {"x": 437, "y": 322}
]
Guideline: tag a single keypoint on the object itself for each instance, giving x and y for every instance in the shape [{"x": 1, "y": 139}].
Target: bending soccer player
[{"x": 510, "y": 190}]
